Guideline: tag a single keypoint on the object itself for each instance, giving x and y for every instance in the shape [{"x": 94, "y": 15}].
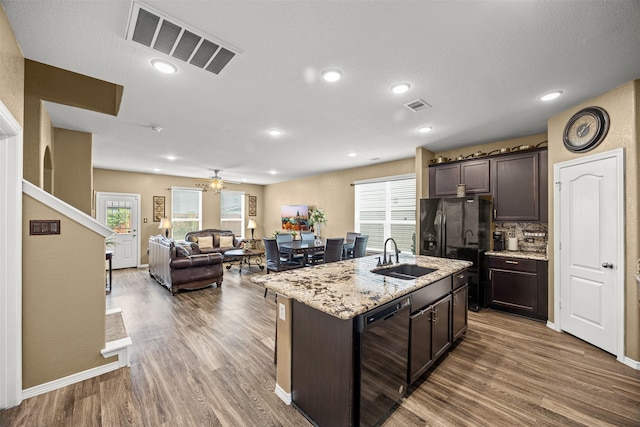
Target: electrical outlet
[
  {"x": 529, "y": 239},
  {"x": 283, "y": 311}
]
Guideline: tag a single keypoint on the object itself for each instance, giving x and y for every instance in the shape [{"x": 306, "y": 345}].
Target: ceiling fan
[{"x": 216, "y": 185}]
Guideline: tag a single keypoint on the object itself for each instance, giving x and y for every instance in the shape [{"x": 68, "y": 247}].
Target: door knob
[{"x": 607, "y": 265}]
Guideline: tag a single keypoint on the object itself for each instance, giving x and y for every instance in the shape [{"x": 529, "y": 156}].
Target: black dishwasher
[{"x": 382, "y": 346}]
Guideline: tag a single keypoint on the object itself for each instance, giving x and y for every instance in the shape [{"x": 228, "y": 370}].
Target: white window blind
[
  {"x": 387, "y": 208},
  {"x": 186, "y": 211},
  {"x": 232, "y": 212}
]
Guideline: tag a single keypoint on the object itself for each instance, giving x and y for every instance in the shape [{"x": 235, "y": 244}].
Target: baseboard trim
[
  {"x": 114, "y": 311},
  {"x": 631, "y": 363},
  {"x": 118, "y": 348},
  {"x": 71, "y": 379},
  {"x": 553, "y": 326},
  {"x": 283, "y": 395}
]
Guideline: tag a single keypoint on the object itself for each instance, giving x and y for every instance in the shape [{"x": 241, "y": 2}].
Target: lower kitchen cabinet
[
  {"x": 459, "y": 307},
  {"x": 438, "y": 318},
  {"x": 519, "y": 286},
  {"x": 430, "y": 336}
]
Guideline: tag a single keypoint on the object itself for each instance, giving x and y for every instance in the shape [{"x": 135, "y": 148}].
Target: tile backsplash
[{"x": 523, "y": 230}]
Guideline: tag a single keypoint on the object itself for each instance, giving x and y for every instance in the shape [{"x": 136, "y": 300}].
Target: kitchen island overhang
[{"x": 332, "y": 321}]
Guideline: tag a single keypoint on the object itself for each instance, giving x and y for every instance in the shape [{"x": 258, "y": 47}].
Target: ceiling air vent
[
  {"x": 417, "y": 105},
  {"x": 171, "y": 37}
]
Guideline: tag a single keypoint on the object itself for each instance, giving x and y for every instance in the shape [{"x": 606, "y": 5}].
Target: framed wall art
[
  {"x": 253, "y": 205},
  {"x": 158, "y": 208}
]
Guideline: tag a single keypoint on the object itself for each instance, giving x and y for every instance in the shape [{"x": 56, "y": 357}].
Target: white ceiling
[{"x": 481, "y": 65}]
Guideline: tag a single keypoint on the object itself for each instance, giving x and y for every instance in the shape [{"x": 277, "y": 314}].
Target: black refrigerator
[{"x": 459, "y": 227}]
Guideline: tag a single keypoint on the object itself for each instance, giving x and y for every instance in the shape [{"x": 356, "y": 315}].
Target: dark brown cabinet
[
  {"x": 444, "y": 179},
  {"x": 459, "y": 307},
  {"x": 516, "y": 194},
  {"x": 441, "y": 327},
  {"x": 518, "y": 286},
  {"x": 516, "y": 182}
]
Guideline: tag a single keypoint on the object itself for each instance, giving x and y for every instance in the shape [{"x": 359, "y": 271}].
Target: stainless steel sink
[{"x": 403, "y": 271}]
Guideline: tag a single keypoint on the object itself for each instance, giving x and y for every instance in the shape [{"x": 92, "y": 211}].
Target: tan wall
[
  {"x": 73, "y": 172},
  {"x": 63, "y": 299},
  {"x": 11, "y": 70},
  {"x": 149, "y": 185},
  {"x": 38, "y": 135},
  {"x": 622, "y": 104},
  {"x": 331, "y": 192}
]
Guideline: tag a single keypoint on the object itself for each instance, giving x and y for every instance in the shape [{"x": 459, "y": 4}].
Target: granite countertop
[
  {"x": 346, "y": 289},
  {"x": 538, "y": 256}
]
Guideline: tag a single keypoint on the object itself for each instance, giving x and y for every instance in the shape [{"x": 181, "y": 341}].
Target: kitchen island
[{"x": 349, "y": 341}]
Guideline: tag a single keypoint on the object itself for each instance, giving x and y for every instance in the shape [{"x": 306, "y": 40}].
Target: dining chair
[
  {"x": 274, "y": 261},
  {"x": 307, "y": 236},
  {"x": 333, "y": 249},
  {"x": 286, "y": 238},
  {"x": 348, "y": 252},
  {"x": 360, "y": 247}
]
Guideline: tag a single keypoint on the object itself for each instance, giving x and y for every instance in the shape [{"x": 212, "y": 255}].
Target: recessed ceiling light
[
  {"x": 272, "y": 172},
  {"x": 332, "y": 75},
  {"x": 164, "y": 66},
  {"x": 424, "y": 129},
  {"x": 156, "y": 170},
  {"x": 551, "y": 95},
  {"x": 275, "y": 132},
  {"x": 352, "y": 154},
  {"x": 170, "y": 157},
  {"x": 399, "y": 88}
]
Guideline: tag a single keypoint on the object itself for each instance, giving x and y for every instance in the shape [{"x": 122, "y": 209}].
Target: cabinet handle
[
  {"x": 494, "y": 213},
  {"x": 460, "y": 276},
  {"x": 490, "y": 271},
  {"x": 511, "y": 262}
]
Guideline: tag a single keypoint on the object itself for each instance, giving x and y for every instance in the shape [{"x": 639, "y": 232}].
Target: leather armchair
[{"x": 181, "y": 267}]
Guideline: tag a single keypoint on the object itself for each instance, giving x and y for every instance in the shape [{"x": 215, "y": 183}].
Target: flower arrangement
[{"x": 317, "y": 216}]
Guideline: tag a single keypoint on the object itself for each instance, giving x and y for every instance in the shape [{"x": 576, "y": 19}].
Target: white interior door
[
  {"x": 590, "y": 254},
  {"x": 120, "y": 213}
]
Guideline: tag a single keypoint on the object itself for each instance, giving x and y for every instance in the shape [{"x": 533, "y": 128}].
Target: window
[
  {"x": 186, "y": 211},
  {"x": 232, "y": 212},
  {"x": 387, "y": 208}
]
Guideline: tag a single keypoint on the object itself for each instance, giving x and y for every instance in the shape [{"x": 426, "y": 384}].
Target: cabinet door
[
  {"x": 476, "y": 176},
  {"x": 443, "y": 180},
  {"x": 459, "y": 317},
  {"x": 440, "y": 327},
  {"x": 516, "y": 291},
  {"x": 419, "y": 344},
  {"x": 515, "y": 188}
]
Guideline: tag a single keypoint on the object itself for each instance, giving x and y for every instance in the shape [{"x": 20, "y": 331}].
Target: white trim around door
[
  {"x": 10, "y": 259},
  {"x": 619, "y": 270}
]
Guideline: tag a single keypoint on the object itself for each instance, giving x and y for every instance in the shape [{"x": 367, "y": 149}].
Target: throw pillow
[
  {"x": 205, "y": 242},
  {"x": 182, "y": 251},
  {"x": 226, "y": 241}
]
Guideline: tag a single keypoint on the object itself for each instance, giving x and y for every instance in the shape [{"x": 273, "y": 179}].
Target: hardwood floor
[{"x": 206, "y": 358}]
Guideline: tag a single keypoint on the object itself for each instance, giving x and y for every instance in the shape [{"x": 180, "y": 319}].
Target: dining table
[{"x": 309, "y": 247}]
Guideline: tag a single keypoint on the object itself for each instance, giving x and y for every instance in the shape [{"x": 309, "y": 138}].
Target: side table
[{"x": 245, "y": 257}]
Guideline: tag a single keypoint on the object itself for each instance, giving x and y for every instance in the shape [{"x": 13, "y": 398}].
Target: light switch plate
[{"x": 282, "y": 311}]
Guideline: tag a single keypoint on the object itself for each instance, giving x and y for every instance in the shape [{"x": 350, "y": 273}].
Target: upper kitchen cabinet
[
  {"x": 517, "y": 183},
  {"x": 520, "y": 187},
  {"x": 475, "y": 174}
]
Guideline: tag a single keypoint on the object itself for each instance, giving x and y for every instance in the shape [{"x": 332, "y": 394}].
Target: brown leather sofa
[
  {"x": 182, "y": 266},
  {"x": 220, "y": 240}
]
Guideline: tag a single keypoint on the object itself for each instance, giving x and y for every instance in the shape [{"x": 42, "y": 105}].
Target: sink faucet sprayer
[{"x": 384, "y": 257}]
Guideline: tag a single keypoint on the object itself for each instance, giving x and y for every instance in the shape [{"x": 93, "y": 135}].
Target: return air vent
[
  {"x": 417, "y": 105},
  {"x": 171, "y": 37}
]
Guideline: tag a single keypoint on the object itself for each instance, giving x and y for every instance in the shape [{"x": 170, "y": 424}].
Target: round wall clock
[{"x": 586, "y": 129}]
